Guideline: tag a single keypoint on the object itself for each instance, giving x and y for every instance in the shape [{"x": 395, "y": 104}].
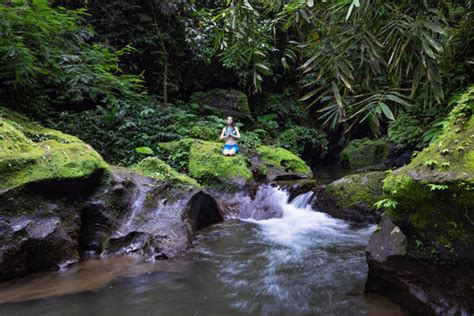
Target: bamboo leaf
[{"x": 386, "y": 110}]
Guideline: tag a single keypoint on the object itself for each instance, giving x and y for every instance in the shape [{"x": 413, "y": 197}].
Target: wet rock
[
  {"x": 352, "y": 197},
  {"x": 142, "y": 218},
  {"x": 422, "y": 288},
  {"x": 359, "y": 212},
  {"x": 97, "y": 225},
  {"x": 144, "y": 244},
  {"x": 387, "y": 241},
  {"x": 434, "y": 210},
  {"x": 32, "y": 244},
  {"x": 265, "y": 204},
  {"x": 202, "y": 211},
  {"x": 275, "y": 163},
  {"x": 298, "y": 187}
]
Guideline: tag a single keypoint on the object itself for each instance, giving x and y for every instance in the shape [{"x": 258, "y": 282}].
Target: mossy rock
[
  {"x": 357, "y": 188},
  {"x": 224, "y": 101},
  {"x": 158, "y": 169},
  {"x": 361, "y": 153},
  {"x": 277, "y": 162},
  {"x": 212, "y": 168},
  {"x": 204, "y": 161},
  {"x": 435, "y": 192},
  {"x": 31, "y": 153}
]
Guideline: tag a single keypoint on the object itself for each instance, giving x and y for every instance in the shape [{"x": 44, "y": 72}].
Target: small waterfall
[
  {"x": 269, "y": 202},
  {"x": 266, "y": 204},
  {"x": 138, "y": 202},
  {"x": 302, "y": 200},
  {"x": 297, "y": 220},
  {"x": 292, "y": 262}
]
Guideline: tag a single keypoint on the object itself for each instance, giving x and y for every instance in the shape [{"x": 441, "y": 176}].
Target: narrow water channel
[{"x": 304, "y": 263}]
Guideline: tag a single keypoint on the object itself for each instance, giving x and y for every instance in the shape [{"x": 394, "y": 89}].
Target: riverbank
[{"x": 302, "y": 263}]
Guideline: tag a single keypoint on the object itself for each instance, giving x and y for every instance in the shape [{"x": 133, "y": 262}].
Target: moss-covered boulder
[
  {"x": 224, "y": 102},
  {"x": 434, "y": 209},
  {"x": 276, "y": 162},
  {"x": 44, "y": 177},
  {"x": 158, "y": 169},
  {"x": 435, "y": 192},
  {"x": 212, "y": 168},
  {"x": 60, "y": 201},
  {"x": 357, "y": 188},
  {"x": 31, "y": 153},
  {"x": 204, "y": 161},
  {"x": 352, "y": 197},
  {"x": 362, "y": 153}
]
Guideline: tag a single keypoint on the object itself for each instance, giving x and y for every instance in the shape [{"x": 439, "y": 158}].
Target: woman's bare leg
[
  {"x": 226, "y": 152},
  {"x": 232, "y": 152}
]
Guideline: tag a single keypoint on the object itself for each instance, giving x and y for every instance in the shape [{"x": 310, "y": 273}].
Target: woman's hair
[{"x": 231, "y": 124}]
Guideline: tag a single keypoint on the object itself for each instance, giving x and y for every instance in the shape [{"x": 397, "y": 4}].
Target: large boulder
[
  {"x": 357, "y": 188},
  {"x": 352, "y": 197},
  {"x": 30, "y": 153},
  {"x": 362, "y": 153},
  {"x": 148, "y": 216},
  {"x": 278, "y": 163},
  {"x": 158, "y": 169},
  {"x": 44, "y": 175},
  {"x": 435, "y": 192},
  {"x": 204, "y": 161},
  {"x": 210, "y": 167},
  {"x": 60, "y": 202},
  {"x": 422, "y": 288},
  {"x": 434, "y": 200},
  {"x": 224, "y": 102}
]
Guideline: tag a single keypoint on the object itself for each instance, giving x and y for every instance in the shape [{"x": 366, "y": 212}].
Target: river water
[{"x": 303, "y": 263}]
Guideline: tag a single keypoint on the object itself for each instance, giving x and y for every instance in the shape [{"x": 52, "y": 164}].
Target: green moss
[
  {"x": 453, "y": 151},
  {"x": 179, "y": 145},
  {"x": 176, "y": 153},
  {"x": 204, "y": 161},
  {"x": 32, "y": 153},
  {"x": 212, "y": 168},
  {"x": 158, "y": 169},
  {"x": 361, "y": 153},
  {"x": 436, "y": 213},
  {"x": 435, "y": 191},
  {"x": 282, "y": 159},
  {"x": 352, "y": 189}
]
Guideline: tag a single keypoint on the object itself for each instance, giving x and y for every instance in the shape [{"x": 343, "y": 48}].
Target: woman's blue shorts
[{"x": 229, "y": 147}]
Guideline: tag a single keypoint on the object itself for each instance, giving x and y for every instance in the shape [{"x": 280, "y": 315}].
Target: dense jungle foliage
[{"x": 124, "y": 75}]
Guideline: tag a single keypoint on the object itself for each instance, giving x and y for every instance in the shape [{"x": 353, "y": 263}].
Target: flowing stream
[{"x": 302, "y": 263}]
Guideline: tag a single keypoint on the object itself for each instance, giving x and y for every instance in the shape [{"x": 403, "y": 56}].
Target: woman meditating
[{"x": 230, "y": 133}]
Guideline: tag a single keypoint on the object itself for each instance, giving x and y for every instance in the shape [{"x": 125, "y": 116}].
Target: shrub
[
  {"x": 406, "y": 131},
  {"x": 117, "y": 130},
  {"x": 47, "y": 58},
  {"x": 298, "y": 138}
]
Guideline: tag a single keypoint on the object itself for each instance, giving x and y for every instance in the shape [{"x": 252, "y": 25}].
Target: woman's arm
[
  {"x": 222, "y": 134},
  {"x": 237, "y": 134}
]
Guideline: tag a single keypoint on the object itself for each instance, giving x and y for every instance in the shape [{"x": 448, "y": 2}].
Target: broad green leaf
[
  {"x": 386, "y": 110},
  {"x": 145, "y": 151}
]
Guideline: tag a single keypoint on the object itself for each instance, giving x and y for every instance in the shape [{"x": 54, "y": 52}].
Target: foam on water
[
  {"x": 294, "y": 260},
  {"x": 301, "y": 262}
]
